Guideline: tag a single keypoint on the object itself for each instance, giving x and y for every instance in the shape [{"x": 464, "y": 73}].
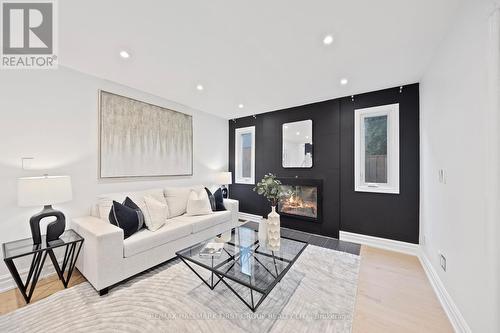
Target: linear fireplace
[{"x": 302, "y": 200}]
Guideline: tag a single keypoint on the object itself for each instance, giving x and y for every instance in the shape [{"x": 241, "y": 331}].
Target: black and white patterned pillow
[
  {"x": 126, "y": 216},
  {"x": 130, "y": 204},
  {"x": 219, "y": 200},
  {"x": 211, "y": 198}
]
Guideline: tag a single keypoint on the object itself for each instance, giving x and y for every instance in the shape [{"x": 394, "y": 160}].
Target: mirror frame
[{"x": 283, "y": 144}]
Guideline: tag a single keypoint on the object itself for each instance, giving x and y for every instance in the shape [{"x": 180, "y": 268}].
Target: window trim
[
  {"x": 392, "y": 185},
  {"x": 237, "y": 177}
]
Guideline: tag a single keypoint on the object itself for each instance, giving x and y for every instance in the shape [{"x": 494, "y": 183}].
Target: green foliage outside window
[{"x": 376, "y": 135}]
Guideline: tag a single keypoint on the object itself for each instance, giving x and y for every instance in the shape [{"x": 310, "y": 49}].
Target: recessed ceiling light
[
  {"x": 199, "y": 87},
  {"x": 124, "y": 54},
  {"x": 328, "y": 40},
  {"x": 241, "y": 106},
  {"x": 298, "y": 133},
  {"x": 285, "y": 127},
  {"x": 307, "y": 136},
  {"x": 344, "y": 81}
]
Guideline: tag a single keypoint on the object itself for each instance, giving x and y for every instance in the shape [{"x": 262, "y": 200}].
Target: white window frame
[
  {"x": 392, "y": 185},
  {"x": 237, "y": 158}
]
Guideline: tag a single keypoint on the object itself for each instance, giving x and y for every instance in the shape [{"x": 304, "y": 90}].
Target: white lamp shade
[
  {"x": 224, "y": 178},
  {"x": 41, "y": 191}
]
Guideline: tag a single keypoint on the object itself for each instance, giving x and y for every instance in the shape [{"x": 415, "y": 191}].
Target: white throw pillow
[
  {"x": 156, "y": 213},
  {"x": 198, "y": 203},
  {"x": 177, "y": 198}
]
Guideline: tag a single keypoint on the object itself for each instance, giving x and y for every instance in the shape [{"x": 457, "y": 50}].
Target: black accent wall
[{"x": 393, "y": 216}]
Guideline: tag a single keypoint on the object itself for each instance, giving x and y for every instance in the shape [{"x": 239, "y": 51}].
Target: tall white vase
[
  {"x": 273, "y": 230},
  {"x": 263, "y": 233}
]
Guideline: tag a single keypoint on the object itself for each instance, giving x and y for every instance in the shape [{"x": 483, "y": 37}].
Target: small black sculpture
[
  {"x": 224, "y": 191},
  {"x": 54, "y": 229}
]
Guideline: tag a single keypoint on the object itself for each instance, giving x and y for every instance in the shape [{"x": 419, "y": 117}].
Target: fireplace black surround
[
  {"x": 375, "y": 214},
  {"x": 305, "y": 199}
]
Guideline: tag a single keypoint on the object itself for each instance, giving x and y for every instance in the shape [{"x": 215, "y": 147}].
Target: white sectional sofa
[{"x": 106, "y": 258}]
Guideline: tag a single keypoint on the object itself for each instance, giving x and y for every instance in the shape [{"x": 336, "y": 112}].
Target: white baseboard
[
  {"x": 457, "y": 320},
  {"x": 450, "y": 308},
  {"x": 386, "y": 244},
  {"x": 8, "y": 283},
  {"x": 249, "y": 217}
]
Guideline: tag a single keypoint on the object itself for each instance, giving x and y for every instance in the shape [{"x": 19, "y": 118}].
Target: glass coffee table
[{"x": 244, "y": 261}]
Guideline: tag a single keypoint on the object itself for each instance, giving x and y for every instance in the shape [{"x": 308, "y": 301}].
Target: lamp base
[{"x": 54, "y": 229}]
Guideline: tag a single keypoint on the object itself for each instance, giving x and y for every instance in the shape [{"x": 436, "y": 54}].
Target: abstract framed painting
[{"x": 139, "y": 139}]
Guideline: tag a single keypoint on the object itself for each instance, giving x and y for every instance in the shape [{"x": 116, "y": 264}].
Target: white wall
[
  {"x": 459, "y": 133},
  {"x": 53, "y": 116}
]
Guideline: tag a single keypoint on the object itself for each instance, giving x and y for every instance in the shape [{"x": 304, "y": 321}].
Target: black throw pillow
[
  {"x": 125, "y": 218},
  {"x": 211, "y": 198},
  {"x": 130, "y": 204},
  {"x": 219, "y": 200}
]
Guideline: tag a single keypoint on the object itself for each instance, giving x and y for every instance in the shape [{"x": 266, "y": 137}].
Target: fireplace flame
[
  {"x": 295, "y": 202},
  {"x": 300, "y": 201}
]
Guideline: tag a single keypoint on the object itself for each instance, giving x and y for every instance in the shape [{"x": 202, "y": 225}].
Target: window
[
  {"x": 245, "y": 155},
  {"x": 376, "y": 146}
]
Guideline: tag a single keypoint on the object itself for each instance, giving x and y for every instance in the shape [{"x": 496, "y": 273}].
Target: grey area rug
[{"x": 317, "y": 295}]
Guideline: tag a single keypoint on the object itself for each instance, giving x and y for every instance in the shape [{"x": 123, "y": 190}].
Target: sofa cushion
[
  {"x": 202, "y": 222},
  {"x": 177, "y": 198},
  {"x": 126, "y": 218},
  {"x": 156, "y": 212},
  {"x": 211, "y": 198},
  {"x": 146, "y": 239},
  {"x": 219, "y": 200},
  {"x": 198, "y": 203},
  {"x": 131, "y": 204},
  {"x": 105, "y": 201}
]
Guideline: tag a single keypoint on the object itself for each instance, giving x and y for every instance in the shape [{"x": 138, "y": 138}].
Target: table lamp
[
  {"x": 223, "y": 179},
  {"x": 45, "y": 191}
]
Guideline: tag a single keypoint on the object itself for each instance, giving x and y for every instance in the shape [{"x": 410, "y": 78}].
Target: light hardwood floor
[
  {"x": 12, "y": 299},
  {"x": 394, "y": 295}
]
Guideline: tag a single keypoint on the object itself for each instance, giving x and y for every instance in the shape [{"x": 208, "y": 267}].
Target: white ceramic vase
[
  {"x": 273, "y": 230},
  {"x": 263, "y": 233}
]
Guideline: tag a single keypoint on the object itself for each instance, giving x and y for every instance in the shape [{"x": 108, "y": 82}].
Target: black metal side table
[{"x": 69, "y": 240}]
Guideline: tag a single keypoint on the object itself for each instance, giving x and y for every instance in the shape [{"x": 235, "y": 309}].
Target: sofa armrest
[
  {"x": 102, "y": 249},
  {"x": 233, "y": 206}
]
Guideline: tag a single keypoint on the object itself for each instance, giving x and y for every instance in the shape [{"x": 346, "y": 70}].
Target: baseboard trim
[
  {"x": 249, "y": 217},
  {"x": 453, "y": 313},
  {"x": 386, "y": 244},
  {"x": 8, "y": 283},
  {"x": 450, "y": 308}
]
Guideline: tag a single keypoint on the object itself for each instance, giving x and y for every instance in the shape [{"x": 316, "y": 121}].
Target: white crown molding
[{"x": 386, "y": 244}]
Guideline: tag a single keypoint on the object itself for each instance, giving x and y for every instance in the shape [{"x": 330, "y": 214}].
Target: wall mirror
[{"x": 297, "y": 144}]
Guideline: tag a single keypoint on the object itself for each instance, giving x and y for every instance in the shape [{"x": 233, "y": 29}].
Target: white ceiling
[{"x": 265, "y": 54}]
